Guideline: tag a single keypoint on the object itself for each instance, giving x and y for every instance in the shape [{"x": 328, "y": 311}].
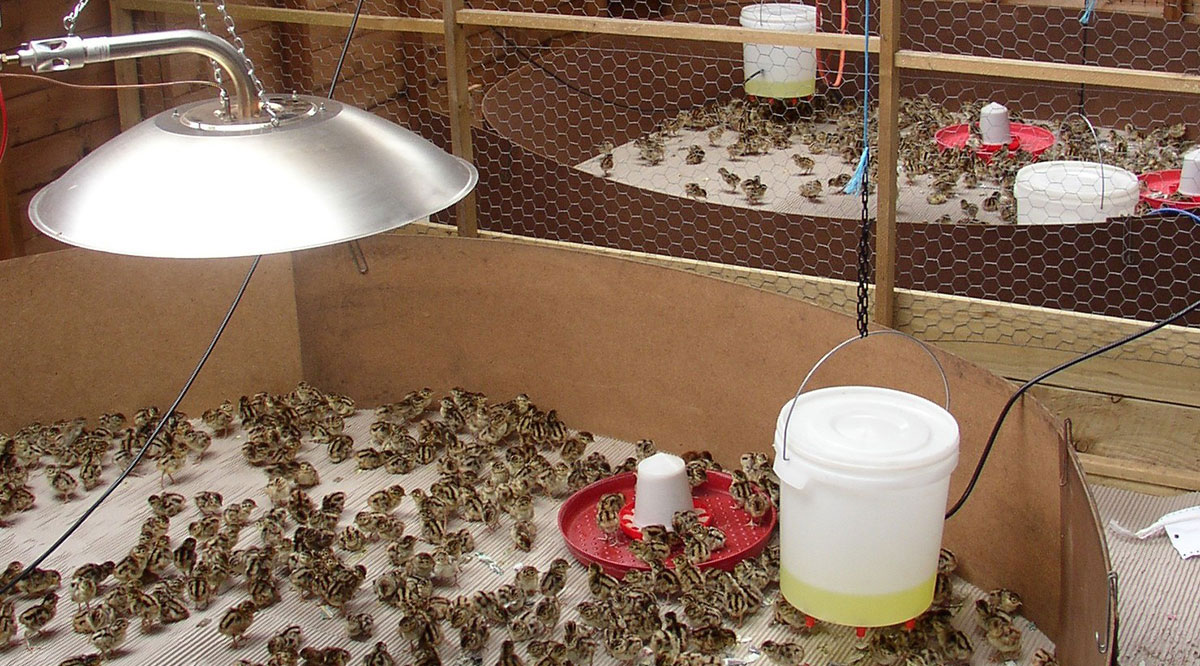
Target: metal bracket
[{"x": 1102, "y": 639}]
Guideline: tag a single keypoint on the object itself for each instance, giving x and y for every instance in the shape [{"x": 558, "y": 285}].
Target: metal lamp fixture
[{"x": 259, "y": 174}]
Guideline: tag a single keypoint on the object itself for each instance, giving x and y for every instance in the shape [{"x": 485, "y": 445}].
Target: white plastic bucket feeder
[
  {"x": 779, "y": 72},
  {"x": 1071, "y": 192},
  {"x": 864, "y": 479}
]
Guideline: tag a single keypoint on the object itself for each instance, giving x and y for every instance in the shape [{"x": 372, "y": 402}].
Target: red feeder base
[
  {"x": 577, "y": 521},
  {"x": 1031, "y": 139},
  {"x": 1159, "y": 186}
]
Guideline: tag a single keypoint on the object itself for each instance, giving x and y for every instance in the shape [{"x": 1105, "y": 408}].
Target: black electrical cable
[
  {"x": 337, "y": 71},
  {"x": 157, "y": 429},
  {"x": 987, "y": 449}
]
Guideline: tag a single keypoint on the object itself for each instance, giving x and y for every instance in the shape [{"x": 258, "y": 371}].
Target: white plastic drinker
[
  {"x": 994, "y": 126},
  {"x": 864, "y": 475},
  {"x": 780, "y": 72}
]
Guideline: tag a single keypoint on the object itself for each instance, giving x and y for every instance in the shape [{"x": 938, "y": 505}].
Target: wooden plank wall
[{"x": 50, "y": 126}]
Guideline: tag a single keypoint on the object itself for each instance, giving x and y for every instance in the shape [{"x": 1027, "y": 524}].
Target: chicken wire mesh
[{"x": 654, "y": 145}]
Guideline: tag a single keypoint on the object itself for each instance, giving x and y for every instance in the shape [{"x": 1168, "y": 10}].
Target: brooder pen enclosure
[{"x": 674, "y": 195}]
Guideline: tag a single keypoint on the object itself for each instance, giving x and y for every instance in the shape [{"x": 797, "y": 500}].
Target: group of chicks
[
  {"x": 837, "y": 129},
  {"x": 492, "y": 460},
  {"x": 71, "y": 454},
  {"x": 934, "y": 640},
  {"x": 757, "y": 131}
]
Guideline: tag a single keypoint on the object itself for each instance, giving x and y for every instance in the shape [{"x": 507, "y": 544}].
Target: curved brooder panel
[{"x": 619, "y": 347}]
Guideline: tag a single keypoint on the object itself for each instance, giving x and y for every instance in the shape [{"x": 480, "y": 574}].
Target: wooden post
[
  {"x": 460, "y": 108},
  {"x": 889, "y": 148},
  {"x": 129, "y": 100}
]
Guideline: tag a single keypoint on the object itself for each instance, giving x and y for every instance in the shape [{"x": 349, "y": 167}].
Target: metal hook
[
  {"x": 1099, "y": 153},
  {"x": 1102, "y": 640},
  {"x": 886, "y": 331},
  {"x": 360, "y": 259}
]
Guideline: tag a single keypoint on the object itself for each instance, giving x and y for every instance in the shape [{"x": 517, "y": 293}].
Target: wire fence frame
[{"x": 892, "y": 63}]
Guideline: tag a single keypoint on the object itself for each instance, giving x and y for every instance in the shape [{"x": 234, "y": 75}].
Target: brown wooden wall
[{"x": 50, "y": 127}]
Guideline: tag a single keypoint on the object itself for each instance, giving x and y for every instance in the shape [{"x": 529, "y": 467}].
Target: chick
[
  {"x": 237, "y": 620},
  {"x": 788, "y": 654},
  {"x": 805, "y": 164},
  {"x": 695, "y": 191},
  {"x": 732, "y": 180}
]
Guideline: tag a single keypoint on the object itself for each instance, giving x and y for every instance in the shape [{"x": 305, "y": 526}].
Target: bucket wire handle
[
  {"x": 884, "y": 331},
  {"x": 1099, "y": 153}
]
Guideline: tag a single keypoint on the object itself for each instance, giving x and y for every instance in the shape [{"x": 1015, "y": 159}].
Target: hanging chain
[
  {"x": 216, "y": 68},
  {"x": 864, "y": 251},
  {"x": 70, "y": 19},
  {"x": 241, "y": 49}
]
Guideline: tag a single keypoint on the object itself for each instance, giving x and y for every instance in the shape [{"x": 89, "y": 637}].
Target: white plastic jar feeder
[
  {"x": 864, "y": 477},
  {"x": 1189, "y": 176},
  {"x": 995, "y": 128},
  {"x": 662, "y": 490}
]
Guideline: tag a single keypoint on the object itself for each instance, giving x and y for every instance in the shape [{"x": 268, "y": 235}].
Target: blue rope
[
  {"x": 1089, "y": 12},
  {"x": 1177, "y": 211},
  {"x": 860, "y": 172}
]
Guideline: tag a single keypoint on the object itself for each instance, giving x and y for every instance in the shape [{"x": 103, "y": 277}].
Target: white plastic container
[
  {"x": 781, "y": 72},
  {"x": 1071, "y": 192},
  {"x": 662, "y": 489},
  {"x": 863, "y": 498},
  {"x": 994, "y": 126},
  {"x": 1189, "y": 175}
]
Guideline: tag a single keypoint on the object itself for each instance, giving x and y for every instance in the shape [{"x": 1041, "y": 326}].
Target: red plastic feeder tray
[
  {"x": 577, "y": 521},
  {"x": 1159, "y": 186},
  {"x": 1031, "y": 139}
]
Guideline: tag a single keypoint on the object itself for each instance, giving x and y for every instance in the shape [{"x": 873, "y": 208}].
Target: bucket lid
[
  {"x": 781, "y": 14},
  {"x": 869, "y": 430},
  {"x": 1075, "y": 180}
]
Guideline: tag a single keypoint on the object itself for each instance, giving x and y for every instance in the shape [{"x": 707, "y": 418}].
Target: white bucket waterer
[
  {"x": 864, "y": 476},
  {"x": 780, "y": 72}
]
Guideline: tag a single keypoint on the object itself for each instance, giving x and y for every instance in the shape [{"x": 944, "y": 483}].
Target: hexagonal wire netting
[{"x": 647, "y": 144}]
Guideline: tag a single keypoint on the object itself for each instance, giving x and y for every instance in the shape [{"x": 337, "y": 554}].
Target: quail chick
[
  {"x": 608, "y": 517},
  {"x": 379, "y": 656},
  {"x": 237, "y": 620},
  {"x": 732, "y": 180},
  {"x": 805, "y": 164},
  {"x": 37, "y": 617},
  {"x": 788, "y": 654},
  {"x": 694, "y": 191}
]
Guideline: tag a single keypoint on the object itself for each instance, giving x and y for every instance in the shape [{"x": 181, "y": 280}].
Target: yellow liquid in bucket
[
  {"x": 874, "y": 610},
  {"x": 780, "y": 89}
]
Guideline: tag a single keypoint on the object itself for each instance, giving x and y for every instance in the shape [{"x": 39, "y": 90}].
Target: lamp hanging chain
[
  {"x": 70, "y": 19},
  {"x": 220, "y": 80},
  {"x": 241, "y": 49},
  {"x": 864, "y": 254}
]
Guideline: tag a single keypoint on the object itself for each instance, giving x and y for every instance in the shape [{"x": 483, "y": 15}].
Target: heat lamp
[{"x": 264, "y": 173}]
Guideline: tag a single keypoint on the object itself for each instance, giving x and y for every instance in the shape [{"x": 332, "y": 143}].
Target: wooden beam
[
  {"x": 1133, "y": 429},
  {"x": 889, "y": 159},
  {"x": 129, "y": 100},
  {"x": 457, "y": 66},
  {"x": 1128, "y": 470},
  {"x": 303, "y": 16},
  {"x": 662, "y": 30},
  {"x": 1111, "y": 77}
]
